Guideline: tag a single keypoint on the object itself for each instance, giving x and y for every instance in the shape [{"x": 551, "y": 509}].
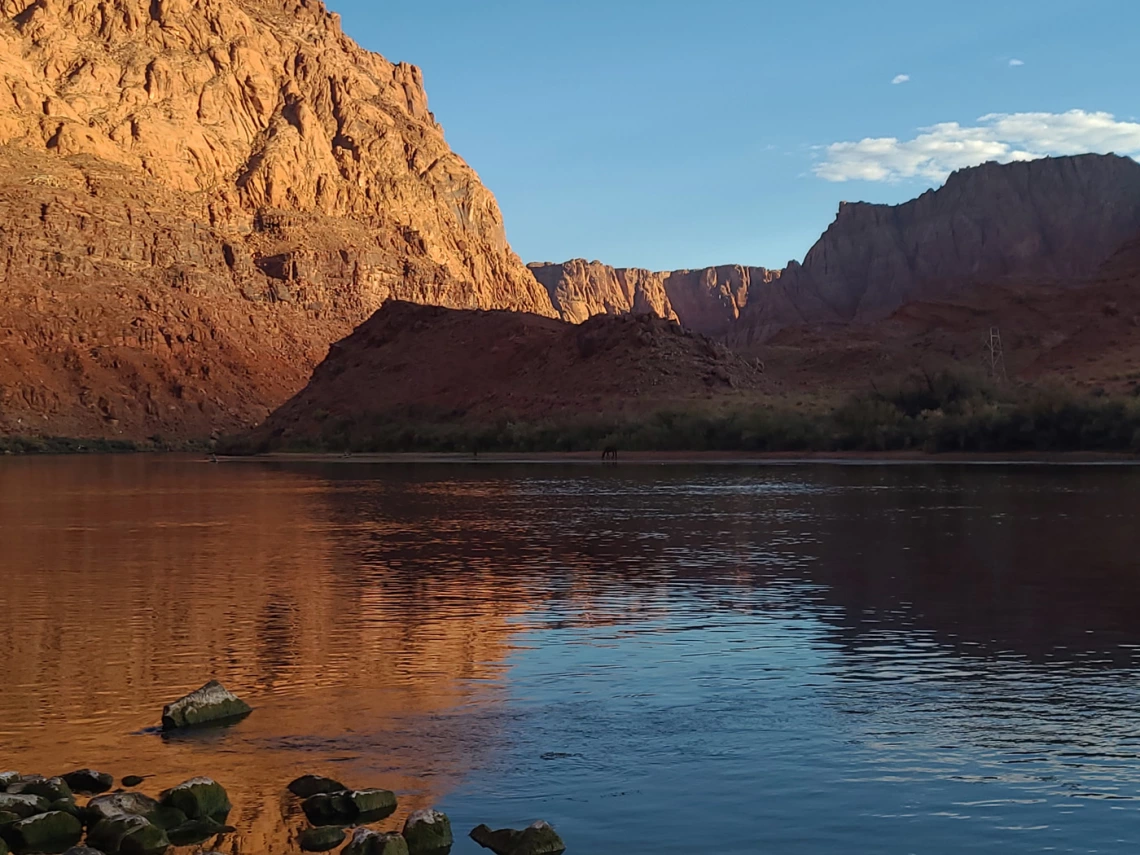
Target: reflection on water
[{"x": 876, "y": 659}]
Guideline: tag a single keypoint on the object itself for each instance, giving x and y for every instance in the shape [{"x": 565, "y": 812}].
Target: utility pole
[{"x": 996, "y": 356}]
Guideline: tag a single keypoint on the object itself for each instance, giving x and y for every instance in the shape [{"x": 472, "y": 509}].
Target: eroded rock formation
[
  {"x": 1049, "y": 221},
  {"x": 706, "y": 301},
  {"x": 196, "y": 198}
]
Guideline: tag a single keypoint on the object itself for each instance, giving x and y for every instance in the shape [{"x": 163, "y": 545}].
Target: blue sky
[{"x": 683, "y": 133}]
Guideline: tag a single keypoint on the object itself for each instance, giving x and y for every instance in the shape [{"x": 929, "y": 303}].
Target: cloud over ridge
[{"x": 938, "y": 150}]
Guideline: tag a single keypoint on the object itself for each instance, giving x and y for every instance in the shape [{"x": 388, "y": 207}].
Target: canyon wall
[{"x": 197, "y": 198}]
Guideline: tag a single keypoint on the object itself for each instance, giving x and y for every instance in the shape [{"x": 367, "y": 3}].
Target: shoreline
[{"x": 690, "y": 458}]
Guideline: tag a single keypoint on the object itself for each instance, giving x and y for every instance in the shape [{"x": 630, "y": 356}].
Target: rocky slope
[
  {"x": 196, "y": 198},
  {"x": 707, "y": 300},
  {"x": 1054, "y": 220},
  {"x": 411, "y": 365}
]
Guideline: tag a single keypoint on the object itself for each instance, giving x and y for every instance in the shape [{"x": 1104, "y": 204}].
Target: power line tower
[{"x": 995, "y": 354}]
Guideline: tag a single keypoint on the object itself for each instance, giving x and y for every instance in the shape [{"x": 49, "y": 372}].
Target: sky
[{"x": 674, "y": 134}]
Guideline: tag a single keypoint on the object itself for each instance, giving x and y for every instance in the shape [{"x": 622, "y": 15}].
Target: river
[{"x": 656, "y": 659}]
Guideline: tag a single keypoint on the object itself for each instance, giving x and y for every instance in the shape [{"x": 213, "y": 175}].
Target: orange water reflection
[{"x": 128, "y": 581}]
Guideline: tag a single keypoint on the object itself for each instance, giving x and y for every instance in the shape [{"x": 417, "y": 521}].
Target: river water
[{"x": 656, "y": 659}]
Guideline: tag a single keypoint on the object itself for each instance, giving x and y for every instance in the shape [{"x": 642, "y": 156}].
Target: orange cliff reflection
[{"x": 127, "y": 582}]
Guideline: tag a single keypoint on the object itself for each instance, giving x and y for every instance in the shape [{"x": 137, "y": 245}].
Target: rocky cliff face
[
  {"x": 706, "y": 301},
  {"x": 580, "y": 289},
  {"x": 198, "y": 196},
  {"x": 1054, "y": 220}
]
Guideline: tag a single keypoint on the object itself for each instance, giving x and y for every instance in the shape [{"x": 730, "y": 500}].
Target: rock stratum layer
[
  {"x": 707, "y": 300},
  {"x": 196, "y": 198},
  {"x": 411, "y": 365}
]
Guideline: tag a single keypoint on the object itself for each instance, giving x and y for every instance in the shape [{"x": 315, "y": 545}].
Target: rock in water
[
  {"x": 47, "y": 832},
  {"x": 540, "y": 838},
  {"x": 133, "y": 780},
  {"x": 51, "y": 789},
  {"x": 199, "y": 798},
  {"x": 311, "y": 785},
  {"x": 211, "y": 704},
  {"x": 88, "y": 781},
  {"x": 196, "y": 831},
  {"x": 322, "y": 839},
  {"x": 128, "y": 834},
  {"x": 367, "y": 842},
  {"x": 375, "y": 804},
  {"x": 428, "y": 832},
  {"x": 329, "y": 809},
  {"x": 116, "y": 804},
  {"x": 23, "y": 805}
]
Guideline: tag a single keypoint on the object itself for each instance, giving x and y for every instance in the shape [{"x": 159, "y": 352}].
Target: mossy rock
[
  {"x": 199, "y": 798},
  {"x": 311, "y": 785},
  {"x": 329, "y": 809},
  {"x": 67, "y": 806},
  {"x": 428, "y": 832},
  {"x": 212, "y": 704},
  {"x": 537, "y": 839},
  {"x": 52, "y": 789},
  {"x": 166, "y": 817},
  {"x": 46, "y": 832},
  {"x": 322, "y": 839},
  {"x": 89, "y": 782},
  {"x": 367, "y": 842},
  {"x": 373, "y": 804},
  {"x": 23, "y": 804},
  {"x": 197, "y": 831},
  {"x": 128, "y": 834},
  {"x": 116, "y": 804}
]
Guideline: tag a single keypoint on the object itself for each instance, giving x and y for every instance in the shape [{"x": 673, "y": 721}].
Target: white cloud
[
  {"x": 900, "y": 78},
  {"x": 940, "y": 149},
  {"x": 1014, "y": 63}
]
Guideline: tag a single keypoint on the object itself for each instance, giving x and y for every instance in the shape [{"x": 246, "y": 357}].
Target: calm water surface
[{"x": 857, "y": 659}]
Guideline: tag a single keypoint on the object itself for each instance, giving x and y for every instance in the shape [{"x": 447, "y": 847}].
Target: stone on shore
[
  {"x": 67, "y": 806},
  {"x": 311, "y": 785},
  {"x": 51, "y": 789},
  {"x": 322, "y": 839},
  {"x": 210, "y": 705},
  {"x": 536, "y": 839},
  {"x": 89, "y": 782},
  {"x": 365, "y": 841},
  {"x": 117, "y": 804},
  {"x": 46, "y": 832},
  {"x": 199, "y": 798},
  {"x": 23, "y": 804},
  {"x": 128, "y": 834},
  {"x": 7, "y": 778},
  {"x": 7, "y": 818},
  {"x": 428, "y": 832}
]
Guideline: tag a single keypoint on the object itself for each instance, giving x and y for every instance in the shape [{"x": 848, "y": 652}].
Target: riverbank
[{"x": 696, "y": 458}]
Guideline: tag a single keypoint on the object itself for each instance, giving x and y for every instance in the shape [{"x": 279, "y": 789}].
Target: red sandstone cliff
[
  {"x": 1054, "y": 220},
  {"x": 706, "y": 301},
  {"x": 196, "y": 198}
]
